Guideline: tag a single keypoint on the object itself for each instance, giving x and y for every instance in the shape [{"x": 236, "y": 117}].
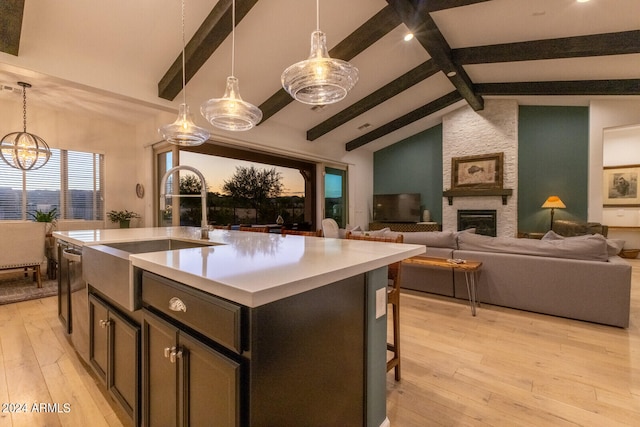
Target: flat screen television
[{"x": 396, "y": 207}]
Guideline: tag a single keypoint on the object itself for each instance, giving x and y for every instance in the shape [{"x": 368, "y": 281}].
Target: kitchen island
[{"x": 259, "y": 329}]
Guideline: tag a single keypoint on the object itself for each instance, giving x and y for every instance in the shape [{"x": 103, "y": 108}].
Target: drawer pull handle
[
  {"x": 172, "y": 353},
  {"x": 175, "y": 354},
  {"x": 176, "y": 304},
  {"x": 167, "y": 351}
]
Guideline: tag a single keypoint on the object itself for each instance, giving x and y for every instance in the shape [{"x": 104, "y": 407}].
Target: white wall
[
  {"x": 63, "y": 130},
  {"x": 621, "y": 147},
  {"x": 605, "y": 114},
  {"x": 493, "y": 130}
]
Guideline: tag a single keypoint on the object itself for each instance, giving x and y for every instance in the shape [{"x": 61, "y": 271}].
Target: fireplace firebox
[{"x": 484, "y": 221}]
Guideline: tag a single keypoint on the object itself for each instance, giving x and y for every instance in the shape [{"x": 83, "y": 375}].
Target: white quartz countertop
[{"x": 251, "y": 268}]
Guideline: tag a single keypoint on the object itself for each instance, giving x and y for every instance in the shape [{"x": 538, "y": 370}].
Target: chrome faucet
[{"x": 204, "y": 233}]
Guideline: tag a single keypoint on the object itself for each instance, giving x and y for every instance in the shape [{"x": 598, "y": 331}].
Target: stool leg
[
  {"x": 396, "y": 338},
  {"x": 395, "y": 347}
]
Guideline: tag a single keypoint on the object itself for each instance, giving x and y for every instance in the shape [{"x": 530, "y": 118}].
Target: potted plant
[
  {"x": 49, "y": 217},
  {"x": 123, "y": 217}
]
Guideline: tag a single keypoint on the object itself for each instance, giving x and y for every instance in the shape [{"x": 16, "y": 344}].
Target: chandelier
[{"x": 24, "y": 150}]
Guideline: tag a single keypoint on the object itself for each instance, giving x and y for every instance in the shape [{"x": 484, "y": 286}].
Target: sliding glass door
[{"x": 335, "y": 195}]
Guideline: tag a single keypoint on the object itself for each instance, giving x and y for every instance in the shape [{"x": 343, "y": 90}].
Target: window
[
  {"x": 71, "y": 182},
  {"x": 295, "y": 203},
  {"x": 335, "y": 191}
]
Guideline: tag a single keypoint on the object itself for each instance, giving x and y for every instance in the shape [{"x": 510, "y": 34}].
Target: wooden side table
[{"x": 470, "y": 268}]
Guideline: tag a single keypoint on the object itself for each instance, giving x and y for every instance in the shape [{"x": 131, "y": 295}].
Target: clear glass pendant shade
[
  {"x": 230, "y": 112},
  {"x": 183, "y": 131},
  {"x": 320, "y": 79},
  {"x": 23, "y": 150}
]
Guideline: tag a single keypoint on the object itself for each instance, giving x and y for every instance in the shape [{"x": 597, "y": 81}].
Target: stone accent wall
[{"x": 471, "y": 133}]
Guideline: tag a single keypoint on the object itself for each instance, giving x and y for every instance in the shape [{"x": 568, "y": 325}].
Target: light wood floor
[
  {"x": 501, "y": 368},
  {"x": 511, "y": 368}
]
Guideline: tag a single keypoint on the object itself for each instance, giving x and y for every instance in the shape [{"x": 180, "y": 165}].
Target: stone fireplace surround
[{"x": 492, "y": 130}]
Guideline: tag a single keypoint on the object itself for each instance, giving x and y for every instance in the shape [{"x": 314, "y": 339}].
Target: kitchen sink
[
  {"x": 107, "y": 267},
  {"x": 144, "y": 246}
]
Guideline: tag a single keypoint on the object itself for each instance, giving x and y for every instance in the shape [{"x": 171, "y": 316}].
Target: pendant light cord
[
  {"x": 184, "y": 79},
  {"x": 24, "y": 108},
  {"x": 318, "y": 15},
  {"x": 233, "y": 37}
]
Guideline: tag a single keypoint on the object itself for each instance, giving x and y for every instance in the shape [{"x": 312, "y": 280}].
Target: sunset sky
[{"x": 218, "y": 169}]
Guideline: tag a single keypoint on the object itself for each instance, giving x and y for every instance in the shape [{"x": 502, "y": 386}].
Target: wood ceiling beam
[
  {"x": 402, "y": 83},
  {"x": 436, "y": 5},
  {"x": 400, "y": 122},
  {"x": 415, "y": 16},
  {"x": 11, "y": 12},
  {"x": 367, "y": 34},
  {"x": 209, "y": 36},
  {"x": 622, "y": 43},
  {"x": 574, "y": 87}
]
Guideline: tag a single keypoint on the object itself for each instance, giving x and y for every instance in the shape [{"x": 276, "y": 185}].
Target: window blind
[{"x": 71, "y": 182}]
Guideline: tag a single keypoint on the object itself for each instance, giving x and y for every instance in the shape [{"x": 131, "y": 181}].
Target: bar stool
[
  {"x": 255, "y": 229},
  {"x": 302, "y": 233},
  {"x": 393, "y": 298}
]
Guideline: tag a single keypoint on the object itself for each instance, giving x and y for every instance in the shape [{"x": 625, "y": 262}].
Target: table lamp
[{"x": 553, "y": 202}]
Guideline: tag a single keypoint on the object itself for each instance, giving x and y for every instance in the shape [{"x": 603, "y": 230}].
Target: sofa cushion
[
  {"x": 591, "y": 247},
  {"x": 435, "y": 239},
  {"x": 614, "y": 246}
]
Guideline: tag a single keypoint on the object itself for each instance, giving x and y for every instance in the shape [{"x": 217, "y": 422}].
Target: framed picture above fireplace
[{"x": 483, "y": 171}]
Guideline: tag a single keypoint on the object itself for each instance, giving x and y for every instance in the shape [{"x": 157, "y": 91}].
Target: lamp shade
[
  {"x": 184, "y": 131},
  {"x": 320, "y": 79},
  {"x": 230, "y": 112},
  {"x": 553, "y": 202}
]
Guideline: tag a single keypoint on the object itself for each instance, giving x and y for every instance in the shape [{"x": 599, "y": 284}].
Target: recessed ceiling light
[
  {"x": 408, "y": 37},
  {"x": 582, "y": 1},
  {"x": 451, "y": 74}
]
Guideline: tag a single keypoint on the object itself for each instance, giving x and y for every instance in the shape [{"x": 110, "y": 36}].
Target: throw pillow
[
  {"x": 552, "y": 235},
  {"x": 614, "y": 246}
]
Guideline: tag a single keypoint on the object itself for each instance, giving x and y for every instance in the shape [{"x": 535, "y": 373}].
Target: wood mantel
[{"x": 477, "y": 192}]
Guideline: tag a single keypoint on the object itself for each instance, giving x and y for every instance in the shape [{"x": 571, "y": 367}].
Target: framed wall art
[
  {"x": 620, "y": 186},
  {"x": 484, "y": 171}
]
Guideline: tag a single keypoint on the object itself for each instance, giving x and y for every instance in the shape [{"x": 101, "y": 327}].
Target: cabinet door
[
  {"x": 210, "y": 385},
  {"x": 159, "y": 374},
  {"x": 123, "y": 372},
  {"x": 98, "y": 336}
]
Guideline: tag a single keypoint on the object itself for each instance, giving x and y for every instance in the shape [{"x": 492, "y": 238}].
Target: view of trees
[{"x": 250, "y": 196}]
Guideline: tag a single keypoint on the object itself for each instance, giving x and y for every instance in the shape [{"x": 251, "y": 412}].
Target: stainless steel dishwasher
[{"x": 73, "y": 298}]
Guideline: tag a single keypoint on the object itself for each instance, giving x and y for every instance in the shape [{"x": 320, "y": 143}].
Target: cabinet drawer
[{"x": 213, "y": 317}]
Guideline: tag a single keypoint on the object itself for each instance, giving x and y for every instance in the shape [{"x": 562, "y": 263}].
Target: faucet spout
[{"x": 204, "y": 233}]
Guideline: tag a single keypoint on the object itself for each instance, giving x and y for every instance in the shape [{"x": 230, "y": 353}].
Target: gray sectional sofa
[{"x": 575, "y": 277}]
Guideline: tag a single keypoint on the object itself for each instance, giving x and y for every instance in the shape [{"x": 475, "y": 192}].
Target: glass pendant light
[
  {"x": 230, "y": 112},
  {"x": 184, "y": 131},
  {"x": 320, "y": 79},
  {"x": 24, "y": 150}
]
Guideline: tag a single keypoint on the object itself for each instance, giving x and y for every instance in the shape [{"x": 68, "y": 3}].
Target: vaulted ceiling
[{"x": 123, "y": 58}]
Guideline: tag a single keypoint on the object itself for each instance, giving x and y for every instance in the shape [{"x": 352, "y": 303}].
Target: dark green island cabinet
[
  {"x": 297, "y": 361},
  {"x": 114, "y": 352}
]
